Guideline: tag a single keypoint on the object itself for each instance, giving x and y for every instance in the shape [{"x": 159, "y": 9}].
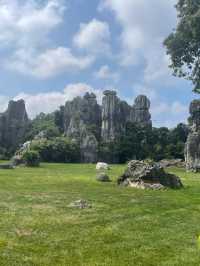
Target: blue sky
[{"x": 54, "y": 50}]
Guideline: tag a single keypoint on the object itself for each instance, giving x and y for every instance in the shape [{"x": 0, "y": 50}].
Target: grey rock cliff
[
  {"x": 192, "y": 147},
  {"x": 115, "y": 114},
  {"x": 82, "y": 123},
  {"x": 88, "y": 123},
  {"x": 140, "y": 112},
  {"x": 13, "y": 125}
]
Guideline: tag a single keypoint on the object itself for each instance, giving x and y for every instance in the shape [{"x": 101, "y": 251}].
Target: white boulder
[{"x": 102, "y": 166}]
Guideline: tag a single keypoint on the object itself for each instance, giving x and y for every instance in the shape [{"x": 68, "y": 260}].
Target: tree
[
  {"x": 183, "y": 44},
  {"x": 58, "y": 150}
]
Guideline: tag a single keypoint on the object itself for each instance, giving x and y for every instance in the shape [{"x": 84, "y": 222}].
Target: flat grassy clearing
[{"x": 124, "y": 227}]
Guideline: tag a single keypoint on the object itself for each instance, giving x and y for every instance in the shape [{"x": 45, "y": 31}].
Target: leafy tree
[
  {"x": 183, "y": 44},
  {"x": 59, "y": 150},
  {"x": 43, "y": 122}
]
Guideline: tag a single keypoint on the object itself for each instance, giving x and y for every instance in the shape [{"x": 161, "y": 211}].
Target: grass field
[{"x": 124, "y": 227}]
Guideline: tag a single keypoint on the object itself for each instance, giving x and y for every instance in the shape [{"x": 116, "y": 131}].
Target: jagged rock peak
[
  {"x": 110, "y": 93},
  {"x": 140, "y": 111},
  {"x": 142, "y": 102},
  {"x": 13, "y": 125},
  {"x": 89, "y": 95},
  {"x": 17, "y": 110},
  {"x": 111, "y": 116}
]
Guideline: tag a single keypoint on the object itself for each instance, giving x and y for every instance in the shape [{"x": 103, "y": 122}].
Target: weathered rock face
[
  {"x": 13, "y": 125},
  {"x": 87, "y": 123},
  {"x": 148, "y": 175},
  {"x": 140, "y": 112},
  {"x": 115, "y": 114},
  {"x": 82, "y": 120},
  {"x": 82, "y": 112},
  {"x": 192, "y": 147},
  {"x": 88, "y": 147}
]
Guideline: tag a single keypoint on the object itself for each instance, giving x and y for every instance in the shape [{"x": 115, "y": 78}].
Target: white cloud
[
  {"x": 93, "y": 37},
  {"x": 106, "y": 73},
  {"x": 26, "y": 26},
  {"x": 50, "y": 101},
  {"x": 47, "y": 64},
  {"x": 29, "y": 22},
  {"x": 145, "y": 24}
]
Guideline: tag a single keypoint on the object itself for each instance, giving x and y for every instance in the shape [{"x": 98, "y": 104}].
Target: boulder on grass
[
  {"x": 172, "y": 163},
  {"x": 102, "y": 166},
  {"x": 148, "y": 175},
  {"x": 102, "y": 177}
]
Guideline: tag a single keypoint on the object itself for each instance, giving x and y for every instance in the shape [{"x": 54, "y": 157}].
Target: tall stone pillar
[
  {"x": 140, "y": 112},
  {"x": 192, "y": 146},
  {"x": 111, "y": 117}
]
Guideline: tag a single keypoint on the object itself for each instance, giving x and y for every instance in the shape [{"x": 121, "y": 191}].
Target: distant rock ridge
[
  {"x": 84, "y": 121},
  {"x": 87, "y": 123},
  {"x": 13, "y": 124}
]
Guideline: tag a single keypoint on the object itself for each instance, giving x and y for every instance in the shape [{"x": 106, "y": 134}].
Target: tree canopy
[{"x": 183, "y": 44}]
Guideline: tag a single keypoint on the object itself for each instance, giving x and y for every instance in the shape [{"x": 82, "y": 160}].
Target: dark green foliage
[
  {"x": 59, "y": 118},
  {"x": 183, "y": 45},
  {"x": 43, "y": 122},
  {"x": 59, "y": 149},
  {"x": 31, "y": 158},
  {"x": 109, "y": 152},
  {"x": 145, "y": 142}
]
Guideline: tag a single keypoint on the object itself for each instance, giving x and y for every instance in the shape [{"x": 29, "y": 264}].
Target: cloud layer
[{"x": 119, "y": 44}]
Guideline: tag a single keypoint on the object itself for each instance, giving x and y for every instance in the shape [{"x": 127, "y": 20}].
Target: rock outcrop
[
  {"x": 150, "y": 175},
  {"x": 88, "y": 147},
  {"x": 140, "y": 112},
  {"x": 88, "y": 123},
  {"x": 82, "y": 123},
  {"x": 192, "y": 147},
  {"x": 13, "y": 125},
  {"x": 115, "y": 114}
]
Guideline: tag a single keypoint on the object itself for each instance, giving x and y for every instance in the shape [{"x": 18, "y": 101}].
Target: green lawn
[{"x": 124, "y": 227}]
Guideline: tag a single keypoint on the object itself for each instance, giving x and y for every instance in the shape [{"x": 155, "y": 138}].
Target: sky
[{"x": 54, "y": 50}]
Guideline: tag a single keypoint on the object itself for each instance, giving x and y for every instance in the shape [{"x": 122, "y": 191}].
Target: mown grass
[{"x": 124, "y": 227}]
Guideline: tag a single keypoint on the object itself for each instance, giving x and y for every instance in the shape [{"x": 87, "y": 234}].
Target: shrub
[
  {"x": 58, "y": 150},
  {"x": 31, "y": 158}
]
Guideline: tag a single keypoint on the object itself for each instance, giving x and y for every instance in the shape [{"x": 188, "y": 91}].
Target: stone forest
[
  {"x": 100, "y": 144},
  {"x": 91, "y": 127}
]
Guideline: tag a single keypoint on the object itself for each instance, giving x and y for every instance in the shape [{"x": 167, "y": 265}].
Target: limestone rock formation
[
  {"x": 144, "y": 174},
  {"x": 82, "y": 120},
  {"x": 82, "y": 112},
  {"x": 115, "y": 114},
  {"x": 88, "y": 147},
  {"x": 13, "y": 125},
  {"x": 88, "y": 123},
  {"x": 192, "y": 147},
  {"x": 140, "y": 112}
]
